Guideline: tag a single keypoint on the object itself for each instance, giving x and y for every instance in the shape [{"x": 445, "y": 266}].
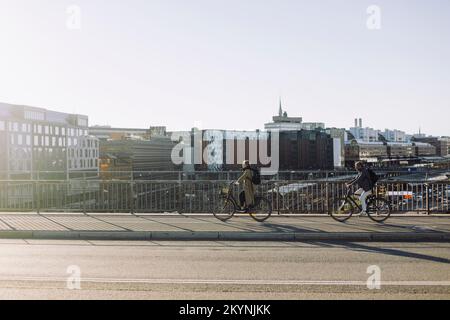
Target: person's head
[
  {"x": 359, "y": 166},
  {"x": 245, "y": 164}
]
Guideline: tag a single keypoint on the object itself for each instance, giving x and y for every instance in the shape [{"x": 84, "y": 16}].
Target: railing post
[
  {"x": 427, "y": 188},
  {"x": 37, "y": 194},
  {"x": 84, "y": 193},
  {"x": 278, "y": 198},
  {"x": 132, "y": 197}
]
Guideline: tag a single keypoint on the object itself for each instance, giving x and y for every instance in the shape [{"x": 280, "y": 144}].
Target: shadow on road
[{"x": 387, "y": 251}]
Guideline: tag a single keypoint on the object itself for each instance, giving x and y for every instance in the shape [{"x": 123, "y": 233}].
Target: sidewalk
[{"x": 206, "y": 227}]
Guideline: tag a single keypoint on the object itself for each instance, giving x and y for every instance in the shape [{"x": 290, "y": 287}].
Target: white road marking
[{"x": 229, "y": 282}]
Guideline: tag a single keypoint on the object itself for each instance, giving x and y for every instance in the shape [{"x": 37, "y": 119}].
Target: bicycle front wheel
[
  {"x": 341, "y": 210},
  {"x": 224, "y": 209},
  {"x": 378, "y": 209},
  {"x": 262, "y": 209}
]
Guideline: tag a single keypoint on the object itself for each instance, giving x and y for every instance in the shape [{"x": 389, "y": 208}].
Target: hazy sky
[{"x": 224, "y": 64}]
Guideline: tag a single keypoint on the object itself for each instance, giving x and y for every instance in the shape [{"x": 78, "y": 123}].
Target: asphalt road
[{"x": 214, "y": 270}]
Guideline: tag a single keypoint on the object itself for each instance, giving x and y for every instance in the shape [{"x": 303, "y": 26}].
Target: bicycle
[
  {"x": 227, "y": 206},
  {"x": 378, "y": 209}
]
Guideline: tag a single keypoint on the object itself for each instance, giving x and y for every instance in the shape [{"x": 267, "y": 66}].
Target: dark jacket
[{"x": 363, "y": 180}]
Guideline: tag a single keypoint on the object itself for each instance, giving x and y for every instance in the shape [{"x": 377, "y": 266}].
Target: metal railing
[{"x": 159, "y": 196}]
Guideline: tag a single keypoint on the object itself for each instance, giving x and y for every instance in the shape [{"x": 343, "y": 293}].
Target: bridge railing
[{"x": 159, "y": 196}]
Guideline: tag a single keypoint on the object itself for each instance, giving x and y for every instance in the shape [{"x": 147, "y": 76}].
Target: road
[{"x": 37, "y": 269}]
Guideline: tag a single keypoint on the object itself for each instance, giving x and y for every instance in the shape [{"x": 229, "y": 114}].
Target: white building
[{"x": 283, "y": 122}]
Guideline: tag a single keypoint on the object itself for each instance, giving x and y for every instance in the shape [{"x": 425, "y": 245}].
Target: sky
[{"x": 225, "y": 64}]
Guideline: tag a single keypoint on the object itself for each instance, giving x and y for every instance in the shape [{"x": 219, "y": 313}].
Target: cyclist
[
  {"x": 364, "y": 183},
  {"x": 247, "y": 196}
]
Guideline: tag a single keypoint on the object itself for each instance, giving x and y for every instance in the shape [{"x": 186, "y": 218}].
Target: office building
[{"x": 37, "y": 140}]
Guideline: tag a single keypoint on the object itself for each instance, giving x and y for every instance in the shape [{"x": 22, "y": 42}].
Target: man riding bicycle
[{"x": 365, "y": 183}]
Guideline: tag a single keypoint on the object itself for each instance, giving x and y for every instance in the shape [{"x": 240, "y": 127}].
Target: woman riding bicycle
[
  {"x": 365, "y": 184},
  {"x": 246, "y": 197}
]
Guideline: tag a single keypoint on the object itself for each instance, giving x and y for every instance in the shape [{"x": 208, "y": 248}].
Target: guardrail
[{"x": 159, "y": 196}]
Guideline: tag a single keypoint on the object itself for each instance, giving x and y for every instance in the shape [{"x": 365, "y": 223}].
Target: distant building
[
  {"x": 110, "y": 133},
  {"x": 400, "y": 150},
  {"x": 283, "y": 122},
  {"x": 339, "y": 137},
  {"x": 53, "y": 144},
  {"x": 363, "y": 134},
  {"x": 118, "y": 158},
  {"x": 442, "y": 144},
  {"x": 423, "y": 149},
  {"x": 358, "y": 150},
  {"x": 395, "y": 136},
  {"x": 306, "y": 150}
]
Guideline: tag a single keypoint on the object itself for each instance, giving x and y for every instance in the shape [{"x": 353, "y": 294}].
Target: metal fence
[{"x": 159, "y": 196}]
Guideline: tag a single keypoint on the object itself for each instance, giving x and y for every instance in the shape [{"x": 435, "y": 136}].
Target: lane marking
[{"x": 229, "y": 282}]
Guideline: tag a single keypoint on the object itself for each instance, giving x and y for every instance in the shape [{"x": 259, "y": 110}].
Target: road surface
[{"x": 37, "y": 269}]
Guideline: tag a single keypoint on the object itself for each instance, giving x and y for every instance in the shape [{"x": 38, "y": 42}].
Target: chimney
[
  {"x": 356, "y": 123},
  {"x": 360, "y": 122}
]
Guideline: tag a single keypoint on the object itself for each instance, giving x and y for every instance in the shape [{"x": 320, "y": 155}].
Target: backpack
[
  {"x": 373, "y": 176},
  {"x": 256, "y": 176}
]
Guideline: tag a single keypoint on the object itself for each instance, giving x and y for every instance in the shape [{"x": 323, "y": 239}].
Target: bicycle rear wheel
[
  {"x": 341, "y": 210},
  {"x": 378, "y": 209},
  {"x": 224, "y": 209},
  {"x": 262, "y": 209}
]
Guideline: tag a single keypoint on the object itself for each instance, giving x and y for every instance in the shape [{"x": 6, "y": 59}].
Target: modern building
[
  {"x": 306, "y": 150},
  {"x": 395, "y": 136},
  {"x": 49, "y": 143}
]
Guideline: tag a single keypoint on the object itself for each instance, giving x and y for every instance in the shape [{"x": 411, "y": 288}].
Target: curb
[{"x": 228, "y": 236}]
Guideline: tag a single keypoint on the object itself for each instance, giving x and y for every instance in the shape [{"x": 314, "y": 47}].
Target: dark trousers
[{"x": 242, "y": 198}]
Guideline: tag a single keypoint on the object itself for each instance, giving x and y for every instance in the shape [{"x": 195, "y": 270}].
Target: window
[
  {"x": 47, "y": 141},
  {"x": 57, "y": 131},
  {"x": 2, "y": 125},
  {"x": 28, "y": 140},
  {"x": 46, "y": 130},
  {"x": 19, "y": 139},
  {"x": 36, "y": 140},
  {"x": 39, "y": 129}
]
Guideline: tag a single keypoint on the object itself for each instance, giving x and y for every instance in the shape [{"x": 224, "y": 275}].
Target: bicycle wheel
[
  {"x": 224, "y": 209},
  {"x": 341, "y": 210},
  {"x": 378, "y": 209},
  {"x": 262, "y": 209}
]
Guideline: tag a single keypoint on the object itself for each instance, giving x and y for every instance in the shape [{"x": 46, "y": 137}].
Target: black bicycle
[
  {"x": 378, "y": 209},
  {"x": 226, "y": 206}
]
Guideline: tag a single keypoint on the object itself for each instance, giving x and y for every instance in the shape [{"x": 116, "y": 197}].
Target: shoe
[{"x": 362, "y": 214}]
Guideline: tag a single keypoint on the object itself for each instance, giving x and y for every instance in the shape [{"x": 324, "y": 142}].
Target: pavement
[
  {"x": 406, "y": 227},
  {"x": 222, "y": 270}
]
